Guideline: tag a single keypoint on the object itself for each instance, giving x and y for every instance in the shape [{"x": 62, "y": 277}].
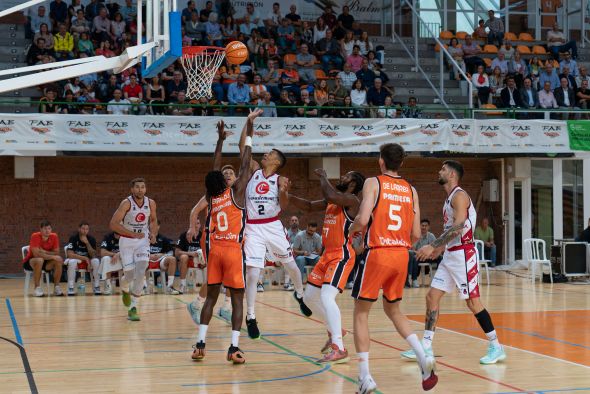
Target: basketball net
[{"x": 200, "y": 65}]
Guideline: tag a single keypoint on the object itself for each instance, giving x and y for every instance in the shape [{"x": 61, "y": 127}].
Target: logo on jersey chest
[
  {"x": 262, "y": 188},
  {"x": 140, "y": 217}
]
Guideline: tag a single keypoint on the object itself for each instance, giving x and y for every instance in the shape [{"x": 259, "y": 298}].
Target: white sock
[
  {"x": 252, "y": 274},
  {"x": 235, "y": 338},
  {"x": 293, "y": 270},
  {"x": 427, "y": 339},
  {"x": 72, "y": 273},
  {"x": 333, "y": 318},
  {"x": 170, "y": 280},
  {"x": 107, "y": 282},
  {"x": 363, "y": 364},
  {"x": 133, "y": 302},
  {"x": 312, "y": 298},
  {"x": 493, "y": 338},
  {"x": 226, "y": 302},
  {"x": 414, "y": 342},
  {"x": 183, "y": 282},
  {"x": 202, "y": 332}
]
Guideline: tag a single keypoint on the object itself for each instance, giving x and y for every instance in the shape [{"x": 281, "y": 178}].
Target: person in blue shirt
[
  {"x": 549, "y": 76},
  {"x": 238, "y": 93}
]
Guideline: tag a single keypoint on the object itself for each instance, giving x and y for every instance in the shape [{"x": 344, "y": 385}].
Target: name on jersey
[
  {"x": 391, "y": 242},
  {"x": 225, "y": 237},
  {"x": 396, "y": 187},
  {"x": 396, "y": 197},
  {"x": 330, "y": 219},
  {"x": 223, "y": 202}
]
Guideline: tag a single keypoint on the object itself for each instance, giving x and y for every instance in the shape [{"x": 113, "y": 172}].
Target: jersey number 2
[
  {"x": 396, "y": 219},
  {"x": 261, "y": 209}
]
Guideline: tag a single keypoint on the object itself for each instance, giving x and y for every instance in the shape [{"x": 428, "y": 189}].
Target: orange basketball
[{"x": 236, "y": 52}]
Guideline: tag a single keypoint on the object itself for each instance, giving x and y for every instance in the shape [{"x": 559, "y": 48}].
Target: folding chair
[{"x": 481, "y": 261}]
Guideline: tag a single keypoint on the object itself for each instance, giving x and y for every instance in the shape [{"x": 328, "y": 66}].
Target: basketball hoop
[{"x": 200, "y": 64}]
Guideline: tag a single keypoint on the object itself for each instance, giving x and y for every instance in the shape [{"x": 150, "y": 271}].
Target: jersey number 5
[
  {"x": 396, "y": 219},
  {"x": 222, "y": 221}
]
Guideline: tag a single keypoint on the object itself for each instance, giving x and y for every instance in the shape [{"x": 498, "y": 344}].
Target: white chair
[
  {"x": 481, "y": 261},
  {"x": 423, "y": 272},
  {"x": 535, "y": 254},
  {"x": 193, "y": 272},
  {"x": 81, "y": 271},
  {"x": 28, "y": 274}
]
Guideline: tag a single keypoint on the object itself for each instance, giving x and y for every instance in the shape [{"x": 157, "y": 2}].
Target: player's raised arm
[
  {"x": 253, "y": 163},
  {"x": 307, "y": 205},
  {"x": 194, "y": 216},
  {"x": 117, "y": 219},
  {"x": 416, "y": 225},
  {"x": 246, "y": 169},
  {"x": 334, "y": 196},
  {"x": 369, "y": 197},
  {"x": 221, "y": 135}
]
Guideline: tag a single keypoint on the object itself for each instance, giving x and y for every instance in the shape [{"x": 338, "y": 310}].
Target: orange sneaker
[
  {"x": 336, "y": 356},
  {"x": 235, "y": 355},
  {"x": 199, "y": 351}
]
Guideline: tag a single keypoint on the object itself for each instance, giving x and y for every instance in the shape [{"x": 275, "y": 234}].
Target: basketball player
[
  {"x": 459, "y": 266},
  {"x": 110, "y": 260},
  {"x": 390, "y": 212},
  {"x": 329, "y": 275},
  {"x": 224, "y": 233},
  {"x": 266, "y": 194},
  {"x": 81, "y": 254},
  {"x": 136, "y": 222}
]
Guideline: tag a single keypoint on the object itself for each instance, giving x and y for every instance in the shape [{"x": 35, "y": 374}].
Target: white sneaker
[
  {"x": 288, "y": 287},
  {"x": 171, "y": 291},
  {"x": 367, "y": 385},
  {"x": 39, "y": 292},
  {"x": 108, "y": 290},
  {"x": 57, "y": 291},
  {"x": 415, "y": 284},
  {"x": 260, "y": 288},
  {"x": 182, "y": 289}
]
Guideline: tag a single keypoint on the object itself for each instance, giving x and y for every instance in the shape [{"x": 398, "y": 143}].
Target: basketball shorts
[
  {"x": 458, "y": 269},
  {"x": 158, "y": 264},
  {"x": 383, "y": 268},
  {"x": 333, "y": 268},
  {"x": 225, "y": 265},
  {"x": 260, "y": 238},
  {"x": 132, "y": 250}
]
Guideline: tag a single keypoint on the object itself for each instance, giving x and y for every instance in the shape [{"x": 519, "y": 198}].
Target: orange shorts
[
  {"x": 225, "y": 265},
  {"x": 333, "y": 268},
  {"x": 384, "y": 268}
]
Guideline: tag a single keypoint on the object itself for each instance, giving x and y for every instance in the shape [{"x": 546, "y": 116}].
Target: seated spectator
[
  {"x": 238, "y": 94},
  {"x": 81, "y": 254},
  {"x": 118, "y": 105},
  {"x": 247, "y": 26},
  {"x": 387, "y": 110},
  {"x": 286, "y": 37},
  {"x": 549, "y": 75},
  {"x": 320, "y": 92},
  {"x": 470, "y": 52},
  {"x": 535, "y": 67},
  {"x": 480, "y": 31},
  {"x": 508, "y": 50},
  {"x": 365, "y": 75},
  {"x": 213, "y": 31},
  {"x": 546, "y": 97},
  {"x": 173, "y": 87},
  {"x": 345, "y": 20},
  {"x": 412, "y": 110},
  {"x": 129, "y": 11},
  {"x": 85, "y": 45},
  {"x": 307, "y": 247},
  {"x": 355, "y": 59},
  {"x": 229, "y": 74},
  {"x": 271, "y": 78},
  {"x": 565, "y": 96},
  {"x": 43, "y": 255},
  {"x": 39, "y": 54},
  {"x": 38, "y": 19},
  {"x": 569, "y": 63},
  {"x": 257, "y": 89},
  {"x": 329, "y": 111},
  {"x": 376, "y": 94},
  {"x": 254, "y": 16},
  {"x": 181, "y": 107},
  {"x": 259, "y": 60},
  {"x": 481, "y": 82},
  {"x": 319, "y": 30},
  {"x": 485, "y": 233},
  {"x": 267, "y": 106},
  {"x": 571, "y": 81},
  {"x": 347, "y": 44},
  {"x": 69, "y": 105},
  {"x": 194, "y": 28},
  {"x": 74, "y": 86},
  {"x": 206, "y": 12},
  {"x": 306, "y": 106},
  {"x": 456, "y": 52},
  {"x": 307, "y": 34},
  {"x": 528, "y": 95},
  {"x": 189, "y": 255},
  {"x": 372, "y": 58},
  {"x": 101, "y": 26},
  {"x": 426, "y": 238},
  {"x": 162, "y": 258},
  {"x": 501, "y": 63},
  {"x": 557, "y": 43},
  {"x": 358, "y": 96},
  {"x": 348, "y": 111},
  {"x": 338, "y": 90},
  {"x": 134, "y": 94},
  {"x": 356, "y": 29},
  {"x": 118, "y": 27},
  {"x": 583, "y": 76},
  {"x": 294, "y": 17},
  {"x": 496, "y": 83},
  {"x": 305, "y": 65},
  {"x": 203, "y": 109},
  {"x": 379, "y": 73},
  {"x": 48, "y": 105},
  {"x": 290, "y": 79},
  {"x": 229, "y": 29},
  {"x": 155, "y": 95},
  {"x": 347, "y": 76},
  {"x": 518, "y": 69},
  {"x": 273, "y": 19},
  {"x": 328, "y": 50},
  {"x": 109, "y": 260},
  {"x": 107, "y": 87},
  {"x": 364, "y": 43},
  {"x": 88, "y": 97},
  {"x": 272, "y": 49},
  {"x": 583, "y": 96},
  {"x": 44, "y": 33},
  {"x": 496, "y": 29},
  {"x": 64, "y": 44},
  {"x": 58, "y": 13},
  {"x": 510, "y": 96},
  {"x": 285, "y": 106},
  {"x": 105, "y": 49},
  {"x": 187, "y": 12}
]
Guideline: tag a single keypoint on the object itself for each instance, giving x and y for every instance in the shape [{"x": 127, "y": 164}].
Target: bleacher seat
[
  {"x": 446, "y": 35},
  {"x": 525, "y": 37},
  {"x": 523, "y": 49},
  {"x": 539, "y": 50},
  {"x": 491, "y": 113},
  {"x": 461, "y": 35},
  {"x": 488, "y": 48},
  {"x": 488, "y": 62},
  {"x": 510, "y": 36},
  {"x": 289, "y": 57},
  {"x": 437, "y": 47}
]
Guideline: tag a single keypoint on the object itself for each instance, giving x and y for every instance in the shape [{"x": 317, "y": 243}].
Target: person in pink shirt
[{"x": 355, "y": 59}]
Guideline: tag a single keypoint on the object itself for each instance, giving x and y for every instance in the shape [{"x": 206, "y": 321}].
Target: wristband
[{"x": 248, "y": 141}]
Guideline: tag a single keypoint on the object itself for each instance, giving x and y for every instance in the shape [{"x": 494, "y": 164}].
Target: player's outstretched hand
[
  {"x": 221, "y": 130},
  {"x": 256, "y": 112},
  {"x": 320, "y": 172},
  {"x": 284, "y": 184}
]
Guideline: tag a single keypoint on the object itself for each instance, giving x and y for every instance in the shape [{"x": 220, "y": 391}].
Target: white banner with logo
[{"x": 49, "y": 132}]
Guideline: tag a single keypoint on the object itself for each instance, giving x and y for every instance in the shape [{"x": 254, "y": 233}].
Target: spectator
[
  {"x": 290, "y": 79},
  {"x": 286, "y": 37},
  {"x": 583, "y": 96},
  {"x": 81, "y": 254},
  {"x": 294, "y": 17},
  {"x": 110, "y": 260},
  {"x": 372, "y": 58},
  {"x": 319, "y": 30},
  {"x": 107, "y": 88},
  {"x": 74, "y": 8},
  {"x": 129, "y": 11},
  {"x": 203, "y": 109},
  {"x": 189, "y": 255},
  {"x": 193, "y": 28},
  {"x": 583, "y": 76},
  {"x": 546, "y": 97},
  {"x": 508, "y": 50},
  {"x": 320, "y": 92},
  {"x": 376, "y": 94},
  {"x": 358, "y": 96},
  {"x": 48, "y": 105},
  {"x": 92, "y": 10},
  {"x": 85, "y": 45},
  {"x": 549, "y": 76},
  {"x": 470, "y": 52},
  {"x": 426, "y": 237},
  {"x": 175, "y": 86},
  {"x": 347, "y": 44},
  {"x": 496, "y": 83},
  {"x": 273, "y": 19},
  {"x": 356, "y": 29},
  {"x": 501, "y": 63},
  {"x": 348, "y": 111},
  {"x": 456, "y": 52},
  {"x": 412, "y": 110},
  {"x": 570, "y": 63},
  {"x": 254, "y": 17},
  {"x": 328, "y": 50},
  {"x": 101, "y": 26},
  {"x": 307, "y": 34},
  {"x": 565, "y": 96},
  {"x": 348, "y": 77},
  {"x": 213, "y": 31},
  {"x": 534, "y": 70},
  {"x": 355, "y": 59},
  {"x": 338, "y": 90},
  {"x": 571, "y": 81},
  {"x": 229, "y": 29},
  {"x": 73, "y": 86},
  {"x": 518, "y": 68},
  {"x": 39, "y": 54},
  {"x": 329, "y": 17},
  {"x": 293, "y": 229},
  {"x": 46, "y": 36},
  {"x": 365, "y": 75},
  {"x": 285, "y": 109},
  {"x": 238, "y": 94},
  {"x": 481, "y": 82},
  {"x": 155, "y": 95},
  {"x": 486, "y": 234},
  {"x": 557, "y": 43},
  {"x": 364, "y": 44},
  {"x": 247, "y": 26},
  {"x": 307, "y": 247},
  {"x": 387, "y": 110},
  {"x": 118, "y": 106},
  {"x": 267, "y": 106},
  {"x": 69, "y": 105},
  {"x": 305, "y": 62},
  {"x": 58, "y": 12},
  {"x": 39, "y": 19},
  {"x": 105, "y": 49},
  {"x": 181, "y": 107},
  {"x": 257, "y": 89},
  {"x": 43, "y": 255},
  {"x": 206, "y": 12},
  {"x": 187, "y": 13},
  {"x": 345, "y": 20},
  {"x": 79, "y": 25},
  {"x": 134, "y": 94},
  {"x": 307, "y": 107},
  {"x": 271, "y": 78},
  {"x": 64, "y": 44},
  {"x": 118, "y": 27},
  {"x": 528, "y": 95},
  {"x": 496, "y": 29},
  {"x": 162, "y": 258},
  {"x": 510, "y": 96},
  {"x": 480, "y": 31}
]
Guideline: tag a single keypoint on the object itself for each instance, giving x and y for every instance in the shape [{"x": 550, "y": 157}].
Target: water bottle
[
  {"x": 82, "y": 288},
  {"x": 151, "y": 285},
  {"x": 266, "y": 282}
]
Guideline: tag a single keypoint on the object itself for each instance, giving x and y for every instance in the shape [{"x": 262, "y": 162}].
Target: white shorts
[
  {"x": 262, "y": 238},
  {"x": 133, "y": 250},
  {"x": 458, "y": 269}
]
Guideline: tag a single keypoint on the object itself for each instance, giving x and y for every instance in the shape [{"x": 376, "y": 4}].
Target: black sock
[{"x": 485, "y": 321}]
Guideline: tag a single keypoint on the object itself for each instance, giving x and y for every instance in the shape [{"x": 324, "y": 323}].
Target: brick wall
[{"x": 68, "y": 189}]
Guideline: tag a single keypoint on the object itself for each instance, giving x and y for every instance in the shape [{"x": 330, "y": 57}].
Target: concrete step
[
  {"x": 7, "y": 41},
  {"x": 13, "y": 28}
]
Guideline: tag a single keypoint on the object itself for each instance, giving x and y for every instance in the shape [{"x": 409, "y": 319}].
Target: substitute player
[
  {"x": 136, "y": 222},
  {"x": 390, "y": 212},
  {"x": 224, "y": 232},
  {"x": 459, "y": 266},
  {"x": 329, "y": 275}
]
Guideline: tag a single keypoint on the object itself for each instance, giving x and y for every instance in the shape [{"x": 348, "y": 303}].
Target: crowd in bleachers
[{"x": 295, "y": 67}]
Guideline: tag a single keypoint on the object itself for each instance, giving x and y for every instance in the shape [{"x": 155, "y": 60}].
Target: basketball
[{"x": 236, "y": 52}]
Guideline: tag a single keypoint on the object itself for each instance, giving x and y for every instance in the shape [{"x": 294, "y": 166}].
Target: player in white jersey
[
  {"x": 459, "y": 265},
  {"x": 136, "y": 222},
  {"x": 266, "y": 194}
]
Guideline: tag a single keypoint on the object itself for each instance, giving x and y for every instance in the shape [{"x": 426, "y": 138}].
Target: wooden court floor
[{"x": 86, "y": 345}]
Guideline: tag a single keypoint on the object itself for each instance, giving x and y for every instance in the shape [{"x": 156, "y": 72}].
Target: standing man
[
  {"x": 307, "y": 247},
  {"x": 459, "y": 267},
  {"x": 43, "y": 255},
  {"x": 486, "y": 234},
  {"x": 390, "y": 213},
  {"x": 137, "y": 224},
  {"x": 81, "y": 254},
  {"x": 496, "y": 27}
]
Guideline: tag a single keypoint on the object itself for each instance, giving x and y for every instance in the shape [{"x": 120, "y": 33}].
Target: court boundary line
[{"x": 21, "y": 348}]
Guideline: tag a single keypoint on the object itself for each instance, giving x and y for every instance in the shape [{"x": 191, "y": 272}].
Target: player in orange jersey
[
  {"x": 390, "y": 212},
  {"x": 329, "y": 275},
  {"x": 225, "y": 231}
]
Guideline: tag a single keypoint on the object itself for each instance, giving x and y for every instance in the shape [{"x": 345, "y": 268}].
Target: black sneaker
[
  {"x": 253, "y": 331},
  {"x": 235, "y": 355},
  {"x": 302, "y": 307}
]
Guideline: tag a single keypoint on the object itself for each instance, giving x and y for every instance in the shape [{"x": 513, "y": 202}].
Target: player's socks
[
  {"x": 183, "y": 283},
  {"x": 293, "y": 270},
  {"x": 202, "y": 332},
  {"x": 170, "y": 280},
  {"x": 133, "y": 303},
  {"x": 312, "y": 298},
  {"x": 252, "y": 274},
  {"x": 493, "y": 338},
  {"x": 235, "y": 338},
  {"x": 333, "y": 318},
  {"x": 427, "y": 339},
  {"x": 485, "y": 322},
  {"x": 363, "y": 364},
  {"x": 414, "y": 342}
]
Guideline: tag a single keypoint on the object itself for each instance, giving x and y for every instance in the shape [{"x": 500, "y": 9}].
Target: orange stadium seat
[
  {"x": 289, "y": 57},
  {"x": 437, "y": 47},
  {"x": 525, "y": 37},
  {"x": 446, "y": 35},
  {"x": 510, "y": 36},
  {"x": 461, "y": 35},
  {"x": 488, "y": 62},
  {"x": 539, "y": 50},
  {"x": 523, "y": 49},
  {"x": 491, "y": 113},
  {"x": 490, "y": 49}
]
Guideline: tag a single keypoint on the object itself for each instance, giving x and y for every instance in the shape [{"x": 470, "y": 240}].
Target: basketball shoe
[
  {"x": 410, "y": 355},
  {"x": 335, "y": 356},
  {"x": 235, "y": 355},
  {"x": 132, "y": 315},
  {"x": 366, "y": 385},
  {"x": 199, "y": 351},
  {"x": 495, "y": 354},
  {"x": 253, "y": 331}
]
